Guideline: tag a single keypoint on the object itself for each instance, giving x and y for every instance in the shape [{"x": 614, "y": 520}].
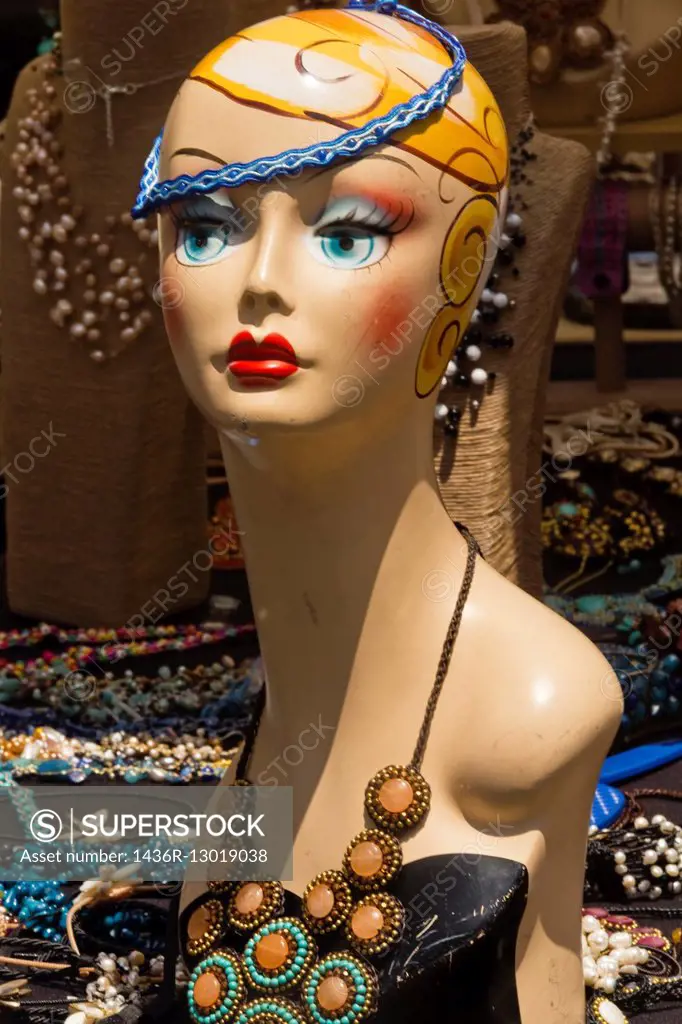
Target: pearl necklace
[
  {"x": 665, "y": 225},
  {"x": 109, "y": 304},
  {"x": 616, "y": 98},
  {"x": 609, "y": 952}
]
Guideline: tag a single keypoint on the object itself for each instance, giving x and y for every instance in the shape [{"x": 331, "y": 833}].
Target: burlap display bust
[
  {"x": 116, "y": 507},
  {"x": 489, "y": 475}
]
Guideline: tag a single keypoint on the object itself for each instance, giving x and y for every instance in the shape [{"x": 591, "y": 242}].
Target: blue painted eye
[
  {"x": 202, "y": 243},
  {"x": 347, "y": 247}
]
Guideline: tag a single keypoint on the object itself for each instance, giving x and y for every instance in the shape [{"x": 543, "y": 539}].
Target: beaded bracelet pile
[{"x": 646, "y": 855}]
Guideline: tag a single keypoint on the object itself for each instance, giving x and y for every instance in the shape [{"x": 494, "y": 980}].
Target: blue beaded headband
[{"x": 153, "y": 193}]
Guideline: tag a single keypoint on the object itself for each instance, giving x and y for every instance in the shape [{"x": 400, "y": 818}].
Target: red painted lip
[{"x": 271, "y": 359}]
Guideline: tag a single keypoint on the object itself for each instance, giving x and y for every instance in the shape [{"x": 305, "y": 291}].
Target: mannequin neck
[
  {"x": 335, "y": 549},
  {"x": 133, "y": 41}
]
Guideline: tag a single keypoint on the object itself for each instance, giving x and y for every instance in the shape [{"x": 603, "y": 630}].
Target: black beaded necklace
[{"x": 464, "y": 371}]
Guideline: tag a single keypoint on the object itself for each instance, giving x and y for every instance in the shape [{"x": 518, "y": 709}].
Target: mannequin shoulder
[
  {"x": 543, "y": 704},
  {"x": 558, "y": 676}
]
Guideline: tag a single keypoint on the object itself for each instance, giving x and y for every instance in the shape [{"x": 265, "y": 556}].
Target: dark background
[{"x": 23, "y": 25}]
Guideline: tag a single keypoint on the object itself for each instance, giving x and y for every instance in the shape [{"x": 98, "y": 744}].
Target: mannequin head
[{"x": 338, "y": 293}]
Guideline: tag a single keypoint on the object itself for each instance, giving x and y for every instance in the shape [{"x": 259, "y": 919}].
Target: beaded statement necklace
[{"x": 284, "y": 975}]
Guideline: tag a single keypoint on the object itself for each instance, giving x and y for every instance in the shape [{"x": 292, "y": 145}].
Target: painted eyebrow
[
  {"x": 338, "y": 166},
  {"x": 198, "y": 152}
]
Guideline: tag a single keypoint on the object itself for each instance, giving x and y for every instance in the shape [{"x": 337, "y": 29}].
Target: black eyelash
[
  {"x": 385, "y": 226},
  {"x": 201, "y": 211}
]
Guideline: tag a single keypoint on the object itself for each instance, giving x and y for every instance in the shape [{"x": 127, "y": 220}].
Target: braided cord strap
[{"x": 154, "y": 194}]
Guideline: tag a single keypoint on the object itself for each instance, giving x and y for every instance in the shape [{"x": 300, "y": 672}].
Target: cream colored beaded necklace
[{"x": 110, "y": 301}]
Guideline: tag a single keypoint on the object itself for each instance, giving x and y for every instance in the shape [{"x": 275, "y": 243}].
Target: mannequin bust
[{"x": 353, "y": 563}]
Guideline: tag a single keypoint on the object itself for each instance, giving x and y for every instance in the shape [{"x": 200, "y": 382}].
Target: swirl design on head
[{"x": 351, "y": 142}]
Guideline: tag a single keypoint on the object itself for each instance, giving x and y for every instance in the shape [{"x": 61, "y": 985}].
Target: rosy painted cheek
[{"x": 391, "y": 316}]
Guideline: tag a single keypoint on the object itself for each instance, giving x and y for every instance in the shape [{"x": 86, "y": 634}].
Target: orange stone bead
[
  {"x": 250, "y": 898},
  {"x": 320, "y": 901},
  {"x": 396, "y": 795},
  {"x": 272, "y": 951},
  {"x": 332, "y": 993},
  {"x": 198, "y": 924},
  {"x": 366, "y": 859},
  {"x": 206, "y": 990},
  {"x": 367, "y": 922}
]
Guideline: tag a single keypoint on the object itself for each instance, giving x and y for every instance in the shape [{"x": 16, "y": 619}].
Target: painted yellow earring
[{"x": 462, "y": 262}]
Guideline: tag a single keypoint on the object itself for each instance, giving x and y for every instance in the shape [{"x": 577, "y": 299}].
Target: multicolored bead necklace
[
  {"x": 77, "y": 657},
  {"x": 190, "y": 635},
  {"x": 281, "y": 953}
]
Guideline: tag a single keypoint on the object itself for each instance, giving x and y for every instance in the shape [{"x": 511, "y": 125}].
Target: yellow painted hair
[{"x": 467, "y": 139}]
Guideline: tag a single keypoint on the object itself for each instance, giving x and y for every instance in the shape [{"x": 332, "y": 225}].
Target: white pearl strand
[
  {"x": 617, "y": 88},
  {"x": 111, "y": 288},
  {"x": 608, "y": 956},
  {"x": 663, "y": 859}
]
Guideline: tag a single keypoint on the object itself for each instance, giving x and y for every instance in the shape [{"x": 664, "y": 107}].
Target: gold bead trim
[
  {"x": 392, "y": 859},
  {"x": 343, "y": 900},
  {"x": 272, "y": 906},
  {"x": 394, "y": 917},
  {"x": 213, "y": 931},
  {"x": 397, "y": 821},
  {"x": 256, "y": 1013},
  {"x": 220, "y": 886},
  {"x": 595, "y": 1009}
]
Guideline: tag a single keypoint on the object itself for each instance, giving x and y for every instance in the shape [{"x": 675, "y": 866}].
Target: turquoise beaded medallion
[
  {"x": 282, "y": 976},
  {"x": 216, "y": 988},
  {"x": 278, "y": 955}
]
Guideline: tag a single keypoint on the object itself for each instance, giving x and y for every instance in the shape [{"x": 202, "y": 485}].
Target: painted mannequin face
[{"x": 341, "y": 290}]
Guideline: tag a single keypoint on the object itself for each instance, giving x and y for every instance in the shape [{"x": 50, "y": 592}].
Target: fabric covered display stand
[
  {"x": 104, "y": 453},
  {"x": 487, "y": 471}
]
